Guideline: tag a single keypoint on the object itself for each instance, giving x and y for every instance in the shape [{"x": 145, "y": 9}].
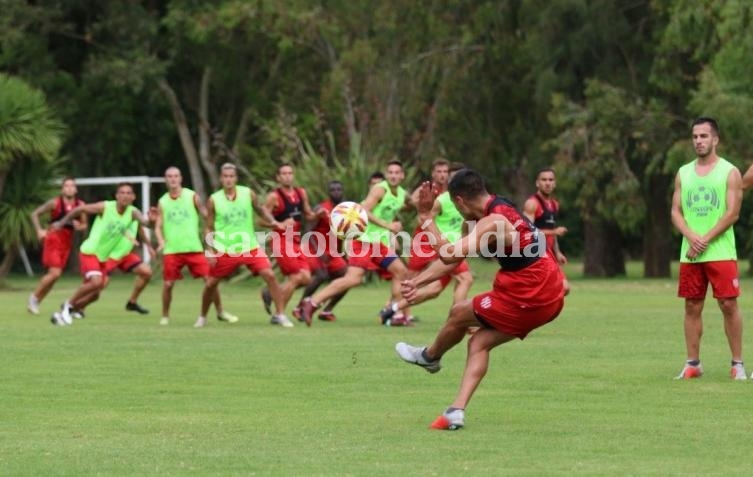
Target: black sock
[
  {"x": 693, "y": 362},
  {"x": 453, "y": 409},
  {"x": 426, "y": 356},
  {"x": 737, "y": 362}
]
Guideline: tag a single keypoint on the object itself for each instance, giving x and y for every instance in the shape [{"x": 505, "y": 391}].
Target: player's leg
[
  {"x": 207, "y": 296},
  {"x": 352, "y": 278},
  {"x": 463, "y": 284},
  {"x": 275, "y": 291},
  {"x": 43, "y": 288},
  {"x": 143, "y": 274},
  {"x": 292, "y": 281},
  {"x": 327, "y": 313},
  {"x": 692, "y": 286},
  {"x": 167, "y": 298}
]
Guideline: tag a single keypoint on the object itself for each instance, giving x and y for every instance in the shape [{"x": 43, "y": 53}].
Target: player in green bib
[
  {"x": 178, "y": 233},
  {"x": 705, "y": 206},
  {"x": 112, "y": 222},
  {"x": 126, "y": 260},
  {"x": 374, "y": 248},
  {"x": 232, "y": 242},
  {"x": 423, "y": 256}
]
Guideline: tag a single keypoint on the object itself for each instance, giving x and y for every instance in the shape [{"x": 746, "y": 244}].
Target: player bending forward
[{"x": 528, "y": 290}]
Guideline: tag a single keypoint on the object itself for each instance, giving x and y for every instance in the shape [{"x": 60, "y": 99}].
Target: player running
[
  {"x": 382, "y": 203},
  {"x": 56, "y": 244}
]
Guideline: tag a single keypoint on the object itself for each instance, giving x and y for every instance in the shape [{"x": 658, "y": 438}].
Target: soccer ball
[{"x": 348, "y": 220}]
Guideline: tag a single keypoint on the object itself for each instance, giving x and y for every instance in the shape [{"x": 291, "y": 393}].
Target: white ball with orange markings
[{"x": 348, "y": 220}]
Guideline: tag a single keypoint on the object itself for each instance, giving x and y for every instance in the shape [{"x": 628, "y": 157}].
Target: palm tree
[{"x": 30, "y": 138}]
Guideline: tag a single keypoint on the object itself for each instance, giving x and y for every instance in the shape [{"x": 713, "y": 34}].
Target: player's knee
[
  {"x": 728, "y": 306},
  {"x": 168, "y": 285},
  {"x": 146, "y": 272},
  {"x": 693, "y": 308},
  {"x": 303, "y": 278},
  {"x": 54, "y": 273}
]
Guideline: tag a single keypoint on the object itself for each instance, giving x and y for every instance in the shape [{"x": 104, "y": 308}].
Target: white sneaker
[
  {"x": 414, "y": 355},
  {"x": 57, "y": 319},
  {"x": 164, "y": 321},
  {"x": 33, "y": 305},
  {"x": 737, "y": 372},
  {"x": 65, "y": 313},
  {"x": 77, "y": 315},
  {"x": 281, "y": 320},
  {"x": 201, "y": 322},
  {"x": 450, "y": 420},
  {"x": 227, "y": 316}
]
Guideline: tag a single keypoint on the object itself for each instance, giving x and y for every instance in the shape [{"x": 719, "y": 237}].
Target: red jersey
[
  {"x": 545, "y": 217},
  {"x": 290, "y": 206},
  {"x": 324, "y": 224}
]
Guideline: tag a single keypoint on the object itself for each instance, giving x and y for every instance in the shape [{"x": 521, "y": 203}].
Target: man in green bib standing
[
  {"x": 705, "y": 206},
  {"x": 232, "y": 242},
  {"x": 382, "y": 203},
  {"x": 179, "y": 239}
]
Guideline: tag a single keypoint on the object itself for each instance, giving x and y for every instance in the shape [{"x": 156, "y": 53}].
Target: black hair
[
  {"x": 706, "y": 120},
  {"x": 543, "y": 170},
  {"x": 467, "y": 184}
]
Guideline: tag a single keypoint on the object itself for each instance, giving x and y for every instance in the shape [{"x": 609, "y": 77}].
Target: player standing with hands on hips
[{"x": 705, "y": 206}]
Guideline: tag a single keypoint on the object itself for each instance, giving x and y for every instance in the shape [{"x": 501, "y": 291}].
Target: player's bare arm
[
  {"x": 308, "y": 212},
  {"x": 270, "y": 202},
  {"x": 529, "y": 210},
  {"x": 697, "y": 244},
  {"x": 158, "y": 229},
  {"x": 42, "y": 209},
  {"x": 264, "y": 211},
  {"x": 748, "y": 178},
  {"x": 144, "y": 239},
  {"x": 96, "y": 208},
  {"x": 146, "y": 221},
  {"x": 209, "y": 226},
  {"x": 82, "y": 223},
  {"x": 375, "y": 195}
]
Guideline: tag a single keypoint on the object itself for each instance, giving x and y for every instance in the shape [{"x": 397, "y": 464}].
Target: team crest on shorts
[
  {"x": 736, "y": 283},
  {"x": 486, "y": 302}
]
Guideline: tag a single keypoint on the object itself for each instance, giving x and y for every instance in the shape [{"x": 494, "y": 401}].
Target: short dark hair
[
  {"x": 284, "y": 164},
  {"x": 68, "y": 178},
  {"x": 440, "y": 161},
  {"x": 456, "y": 166},
  {"x": 124, "y": 184},
  {"x": 376, "y": 175},
  {"x": 706, "y": 120},
  {"x": 395, "y": 162},
  {"x": 333, "y": 182},
  {"x": 543, "y": 170},
  {"x": 467, "y": 184}
]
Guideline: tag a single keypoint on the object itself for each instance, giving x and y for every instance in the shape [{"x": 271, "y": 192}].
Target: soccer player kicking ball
[
  {"x": 230, "y": 222},
  {"x": 528, "y": 290}
]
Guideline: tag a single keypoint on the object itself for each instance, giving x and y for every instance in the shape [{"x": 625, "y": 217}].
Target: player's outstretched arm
[
  {"x": 264, "y": 213},
  {"x": 42, "y": 209},
  {"x": 373, "y": 198},
  {"x": 93, "y": 209}
]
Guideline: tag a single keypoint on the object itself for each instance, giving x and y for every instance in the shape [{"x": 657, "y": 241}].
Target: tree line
[{"x": 604, "y": 91}]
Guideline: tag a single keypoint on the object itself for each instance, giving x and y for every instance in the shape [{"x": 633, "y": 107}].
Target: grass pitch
[{"x": 590, "y": 394}]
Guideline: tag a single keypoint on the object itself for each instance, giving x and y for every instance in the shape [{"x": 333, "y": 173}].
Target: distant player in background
[
  {"x": 56, "y": 244},
  {"x": 452, "y": 225},
  {"x": 542, "y": 209},
  {"x": 528, "y": 290},
  {"x": 382, "y": 204},
  {"x": 325, "y": 265},
  {"x": 375, "y": 178},
  {"x": 290, "y": 206},
  {"x": 112, "y": 222},
  {"x": 178, "y": 235},
  {"x": 232, "y": 241}
]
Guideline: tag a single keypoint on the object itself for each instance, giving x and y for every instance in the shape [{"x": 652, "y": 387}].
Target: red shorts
[
  {"x": 173, "y": 263},
  {"x": 333, "y": 264},
  {"x": 368, "y": 255},
  {"x": 290, "y": 259},
  {"x": 695, "y": 278},
  {"x": 56, "y": 248},
  {"x": 125, "y": 264},
  {"x": 522, "y": 300},
  {"x": 90, "y": 265},
  {"x": 256, "y": 260}
]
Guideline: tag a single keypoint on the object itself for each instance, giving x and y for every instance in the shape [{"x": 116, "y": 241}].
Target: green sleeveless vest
[
  {"x": 234, "y": 222},
  {"x": 704, "y": 202},
  {"x": 180, "y": 223},
  {"x": 125, "y": 245},
  {"x": 107, "y": 231},
  {"x": 386, "y": 210},
  {"x": 449, "y": 221}
]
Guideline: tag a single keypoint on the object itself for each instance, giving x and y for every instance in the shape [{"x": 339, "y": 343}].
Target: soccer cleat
[
  {"x": 131, "y": 306},
  {"x": 33, "y": 305},
  {"x": 65, "y": 313},
  {"x": 281, "y": 320},
  {"x": 297, "y": 313},
  {"x": 327, "y": 316},
  {"x": 386, "y": 314},
  {"x": 400, "y": 320},
  {"x": 266, "y": 298},
  {"x": 690, "y": 372},
  {"x": 57, "y": 319},
  {"x": 414, "y": 355},
  {"x": 449, "y": 420},
  {"x": 78, "y": 314},
  {"x": 201, "y": 322},
  {"x": 164, "y": 321},
  {"x": 227, "y": 316},
  {"x": 737, "y": 372},
  {"x": 307, "y": 310}
]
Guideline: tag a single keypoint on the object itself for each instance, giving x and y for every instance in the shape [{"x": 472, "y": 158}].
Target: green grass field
[{"x": 590, "y": 394}]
